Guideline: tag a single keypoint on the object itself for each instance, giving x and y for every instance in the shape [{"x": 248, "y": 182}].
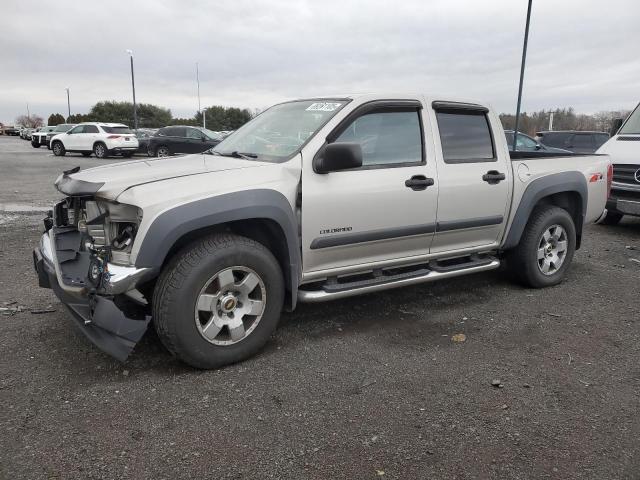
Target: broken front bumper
[{"x": 96, "y": 314}]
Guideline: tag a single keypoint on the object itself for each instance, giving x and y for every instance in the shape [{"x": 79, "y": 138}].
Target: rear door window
[
  {"x": 194, "y": 133},
  {"x": 465, "y": 137},
  {"x": 90, "y": 129}
]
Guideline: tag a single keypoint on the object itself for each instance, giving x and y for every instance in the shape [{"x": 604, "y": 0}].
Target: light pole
[
  {"x": 68, "y": 104},
  {"x": 133, "y": 86},
  {"x": 524, "y": 57},
  {"x": 204, "y": 120}
]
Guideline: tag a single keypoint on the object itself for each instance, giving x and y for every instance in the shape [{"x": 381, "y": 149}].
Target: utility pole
[
  {"x": 133, "y": 86},
  {"x": 524, "y": 58},
  {"x": 204, "y": 120},
  {"x": 68, "y": 103},
  {"x": 28, "y": 114},
  {"x": 551, "y": 121}
]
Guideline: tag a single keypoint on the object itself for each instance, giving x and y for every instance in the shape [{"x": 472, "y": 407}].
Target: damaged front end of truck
[{"x": 84, "y": 257}]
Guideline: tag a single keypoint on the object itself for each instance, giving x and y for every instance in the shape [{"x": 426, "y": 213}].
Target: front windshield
[
  {"x": 280, "y": 131},
  {"x": 632, "y": 125}
]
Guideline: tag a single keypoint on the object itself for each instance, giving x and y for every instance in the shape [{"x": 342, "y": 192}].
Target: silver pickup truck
[{"x": 313, "y": 200}]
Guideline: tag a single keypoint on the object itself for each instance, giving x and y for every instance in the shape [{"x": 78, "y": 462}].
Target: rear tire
[
  {"x": 612, "y": 218},
  {"x": 58, "y": 149},
  {"x": 540, "y": 250},
  {"x": 100, "y": 150},
  {"x": 163, "y": 151},
  {"x": 202, "y": 282}
]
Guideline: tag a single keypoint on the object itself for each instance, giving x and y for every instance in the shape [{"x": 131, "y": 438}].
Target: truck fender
[
  {"x": 168, "y": 227},
  {"x": 539, "y": 189}
]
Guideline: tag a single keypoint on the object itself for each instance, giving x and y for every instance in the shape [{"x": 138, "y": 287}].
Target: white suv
[{"x": 101, "y": 139}]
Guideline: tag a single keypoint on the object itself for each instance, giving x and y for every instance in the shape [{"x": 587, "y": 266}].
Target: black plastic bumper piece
[{"x": 99, "y": 318}]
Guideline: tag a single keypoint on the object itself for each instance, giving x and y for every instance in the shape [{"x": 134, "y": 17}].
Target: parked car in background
[
  {"x": 39, "y": 138},
  {"x": 25, "y": 133},
  {"x": 624, "y": 150},
  {"x": 10, "y": 130},
  {"x": 528, "y": 144},
  {"x": 101, "y": 139},
  {"x": 182, "y": 139},
  {"x": 60, "y": 128},
  {"x": 143, "y": 135},
  {"x": 572, "y": 140}
]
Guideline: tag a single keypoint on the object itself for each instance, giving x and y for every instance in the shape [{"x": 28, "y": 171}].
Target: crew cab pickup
[{"x": 312, "y": 200}]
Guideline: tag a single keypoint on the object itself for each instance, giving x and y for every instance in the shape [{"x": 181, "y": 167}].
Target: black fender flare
[
  {"x": 539, "y": 189},
  {"x": 168, "y": 227}
]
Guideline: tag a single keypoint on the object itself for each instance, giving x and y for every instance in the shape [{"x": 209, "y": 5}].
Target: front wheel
[
  {"x": 35, "y": 145},
  {"x": 58, "y": 149},
  {"x": 218, "y": 300},
  {"x": 546, "y": 248}
]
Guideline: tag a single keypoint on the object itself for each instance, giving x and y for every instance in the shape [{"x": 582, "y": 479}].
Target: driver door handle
[
  {"x": 418, "y": 182},
  {"x": 493, "y": 177}
]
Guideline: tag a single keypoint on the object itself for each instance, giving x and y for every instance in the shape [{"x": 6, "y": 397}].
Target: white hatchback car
[{"x": 101, "y": 139}]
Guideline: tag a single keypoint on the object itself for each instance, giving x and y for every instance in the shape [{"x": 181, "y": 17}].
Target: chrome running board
[{"x": 336, "y": 291}]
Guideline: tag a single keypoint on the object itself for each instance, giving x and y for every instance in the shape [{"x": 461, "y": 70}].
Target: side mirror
[
  {"x": 69, "y": 132},
  {"x": 538, "y": 146},
  {"x": 615, "y": 126},
  {"x": 338, "y": 156}
]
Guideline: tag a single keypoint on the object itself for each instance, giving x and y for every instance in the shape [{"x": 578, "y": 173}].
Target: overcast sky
[{"x": 252, "y": 53}]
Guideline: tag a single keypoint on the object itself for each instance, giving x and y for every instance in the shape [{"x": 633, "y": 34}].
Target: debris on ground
[
  {"x": 497, "y": 383},
  {"x": 459, "y": 337},
  {"x": 42, "y": 310}
]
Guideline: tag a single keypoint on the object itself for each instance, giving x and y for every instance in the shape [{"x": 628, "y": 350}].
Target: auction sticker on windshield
[{"x": 324, "y": 106}]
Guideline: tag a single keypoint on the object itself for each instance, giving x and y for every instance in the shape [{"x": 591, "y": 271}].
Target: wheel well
[
  {"x": 262, "y": 230},
  {"x": 572, "y": 203}
]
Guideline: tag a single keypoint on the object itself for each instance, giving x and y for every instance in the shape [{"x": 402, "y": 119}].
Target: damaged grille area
[{"x": 88, "y": 234}]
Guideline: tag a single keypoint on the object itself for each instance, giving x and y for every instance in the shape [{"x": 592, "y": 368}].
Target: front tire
[
  {"x": 58, "y": 149},
  {"x": 100, "y": 150},
  {"x": 612, "y": 218},
  {"x": 218, "y": 300},
  {"x": 35, "y": 145},
  {"x": 546, "y": 248}
]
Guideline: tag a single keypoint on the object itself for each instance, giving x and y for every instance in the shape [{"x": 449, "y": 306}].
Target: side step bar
[{"x": 403, "y": 280}]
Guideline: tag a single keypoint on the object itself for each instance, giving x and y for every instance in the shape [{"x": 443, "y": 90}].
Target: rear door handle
[
  {"x": 418, "y": 182},
  {"x": 493, "y": 176}
]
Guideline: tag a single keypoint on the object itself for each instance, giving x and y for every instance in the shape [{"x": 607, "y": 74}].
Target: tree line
[
  {"x": 153, "y": 116},
  {"x": 563, "y": 119}
]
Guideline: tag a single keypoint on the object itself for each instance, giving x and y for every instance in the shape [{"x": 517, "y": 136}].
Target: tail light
[
  {"x": 113, "y": 137},
  {"x": 609, "y": 180}
]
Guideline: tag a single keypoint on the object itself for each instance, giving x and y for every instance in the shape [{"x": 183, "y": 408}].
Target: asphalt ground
[{"x": 369, "y": 387}]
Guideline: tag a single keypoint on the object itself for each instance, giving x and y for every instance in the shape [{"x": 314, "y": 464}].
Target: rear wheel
[
  {"x": 218, "y": 300},
  {"x": 546, "y": 248},
  {"x": 612, "y": 218},
  {"x": 100, "y": 150},
  {"x": 58, "y": 149},
  {"x": 162, "y": 151}
]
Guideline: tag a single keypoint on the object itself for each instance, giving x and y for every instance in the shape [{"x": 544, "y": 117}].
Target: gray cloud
[{"x": 254, "y": 53}]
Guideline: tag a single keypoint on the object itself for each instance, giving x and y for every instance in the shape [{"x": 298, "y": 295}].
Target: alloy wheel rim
[
  {"x": 99, "y": 151},
  {"x": 163, "y": 152},
  {"x": 552, "y": 250},
  {"x": 230, "y": 305}
]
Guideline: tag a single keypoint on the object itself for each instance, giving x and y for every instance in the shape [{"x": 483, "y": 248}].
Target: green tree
[
  {"x": 79, "y": 118},
  {"x": 150, "y": 116},
  {"x": 55, "y": 119},
  {"x": 224, "y": 118}
]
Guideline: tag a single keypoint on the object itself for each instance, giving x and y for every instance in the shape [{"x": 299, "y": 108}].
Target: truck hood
[{"x": 109, "y": 181}]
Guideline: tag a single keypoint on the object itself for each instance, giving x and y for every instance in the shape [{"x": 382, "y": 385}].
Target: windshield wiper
[{"x": 235, "y": 154}]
